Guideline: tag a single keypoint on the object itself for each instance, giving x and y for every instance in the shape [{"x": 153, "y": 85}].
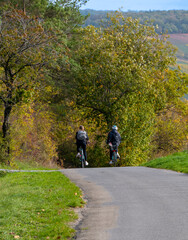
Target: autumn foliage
[{"x": 56, "y": 76}]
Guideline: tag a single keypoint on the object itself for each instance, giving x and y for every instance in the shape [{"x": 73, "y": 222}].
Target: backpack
[{"x": 81, "y": 135}]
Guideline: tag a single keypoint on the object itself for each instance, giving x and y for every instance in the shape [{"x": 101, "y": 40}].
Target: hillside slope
[
  {"x": 172, "y": 21},
  {"x": 181, "y": 42}
]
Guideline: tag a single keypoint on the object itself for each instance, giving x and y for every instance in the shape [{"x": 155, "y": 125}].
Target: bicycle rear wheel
[
  {"x": 83, "y": 163},
  {"x": 82, "y": 158},
  {"x": 114, "y": 158}
]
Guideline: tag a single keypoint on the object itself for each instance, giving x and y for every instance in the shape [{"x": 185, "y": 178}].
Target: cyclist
[
  {"x": 114, "y": 139},
  {"x": 81, "y": 141}
]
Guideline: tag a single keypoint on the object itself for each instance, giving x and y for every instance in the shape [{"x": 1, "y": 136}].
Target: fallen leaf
[{"x": 16, "y": 236}]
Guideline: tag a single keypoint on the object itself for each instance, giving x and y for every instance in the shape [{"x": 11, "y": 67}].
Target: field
[{"x": 181, "y": 42}]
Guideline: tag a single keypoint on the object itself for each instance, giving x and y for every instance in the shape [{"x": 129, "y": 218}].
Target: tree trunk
[
  {"x": 5, "y": 128},
  {"x": 24, "y": 10}
]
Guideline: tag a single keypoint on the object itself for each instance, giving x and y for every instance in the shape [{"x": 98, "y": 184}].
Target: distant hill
[{"x": 173, "y": 21}]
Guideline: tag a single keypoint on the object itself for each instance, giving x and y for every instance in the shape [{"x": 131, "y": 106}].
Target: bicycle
[
  {"x": 82, "y": 157},
  {"x": 114, "y": 154}
]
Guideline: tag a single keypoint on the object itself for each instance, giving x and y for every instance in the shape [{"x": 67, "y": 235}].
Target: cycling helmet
[{"x": 115, "y": 127}]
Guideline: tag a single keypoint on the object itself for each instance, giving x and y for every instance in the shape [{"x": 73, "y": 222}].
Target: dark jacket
[{"x": 114, "y": 137}]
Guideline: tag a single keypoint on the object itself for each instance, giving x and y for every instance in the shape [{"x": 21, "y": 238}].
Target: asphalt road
[{"x": 132, "y": 203}]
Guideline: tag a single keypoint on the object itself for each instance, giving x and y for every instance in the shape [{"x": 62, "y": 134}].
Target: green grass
[
  {"x": 20, "y": 165},
  {"x": 176, "y": 162},
  {"x": 37, "y": 206}
]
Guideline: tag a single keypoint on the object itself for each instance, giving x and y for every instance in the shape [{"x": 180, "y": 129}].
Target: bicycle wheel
[
  {"x": 114, "y": 158},
  {"x": 82, "y": 158},
  {"x": 82, "y": 162}
]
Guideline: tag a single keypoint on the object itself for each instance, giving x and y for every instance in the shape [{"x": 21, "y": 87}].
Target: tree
[
  {"x": 24, "y": 50},
  {"x": 125, "y": 78},
  {"x": 61, "y": 13},
  {"x": 118, "y": 60},
  {"x": 39, "y": 78},
  {"x": 34, "y": 7}
]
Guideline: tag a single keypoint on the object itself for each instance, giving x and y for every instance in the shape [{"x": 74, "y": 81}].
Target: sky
[{"x": 137, "y": 5}]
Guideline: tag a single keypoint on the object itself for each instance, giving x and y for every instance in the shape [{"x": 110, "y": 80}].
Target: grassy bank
[
  {"x": 37, "y": 206},
  {"x": 176, "y": 162},
  {"x": 28, "y": 165}
]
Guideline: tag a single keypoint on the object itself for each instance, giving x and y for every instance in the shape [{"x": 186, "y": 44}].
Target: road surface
[{"x": 132, "y": 203}]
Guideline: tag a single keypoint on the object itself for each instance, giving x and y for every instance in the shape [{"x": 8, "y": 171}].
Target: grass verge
[
  {"x": 176, "y": 162},
  {"x": 21, "y": 165},
  {"x": 37, "y": 206}
]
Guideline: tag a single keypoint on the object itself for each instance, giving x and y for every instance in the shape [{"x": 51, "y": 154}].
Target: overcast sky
[{"x": 136, "y": 4}]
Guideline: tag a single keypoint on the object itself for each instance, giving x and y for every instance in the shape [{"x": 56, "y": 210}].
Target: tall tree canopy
[
  {"x": 123, "y": 58},
  {"x": 36, "y": 36},
  {"x": 24, "y": 49},
  {"x": 126, "y": 77},
  {"x": 56, "y": 12}
]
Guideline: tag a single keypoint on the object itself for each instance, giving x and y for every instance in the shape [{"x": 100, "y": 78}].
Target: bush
[
  {"x": 171, "y": 132},
  {"x": 5, "y": 158},
  {"x": 32, "y": 135}
]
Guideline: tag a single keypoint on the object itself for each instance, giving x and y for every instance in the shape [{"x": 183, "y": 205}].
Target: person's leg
[
  {"x": 118, "y": 156},
  {"x": 78, "y": 146},
  {"x": 111, "y": 152},
  {"x": 115, "y": 147}
]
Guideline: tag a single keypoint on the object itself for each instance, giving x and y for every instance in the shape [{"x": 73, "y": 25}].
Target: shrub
[{"x": 171, "y": 132}]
